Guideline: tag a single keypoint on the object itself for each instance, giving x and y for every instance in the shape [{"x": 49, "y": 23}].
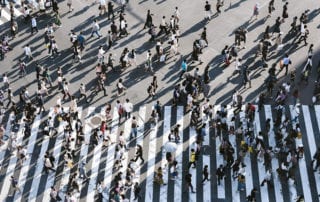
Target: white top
[
  {"x": 27, "y": 50},
  {"x": 128, "y": 107},
  {"x": 103, "y": 2},
  {"x": 33, "y": 22}
]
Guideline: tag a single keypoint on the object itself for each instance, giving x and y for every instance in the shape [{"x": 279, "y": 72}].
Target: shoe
[{"x": 193, "y": 192}]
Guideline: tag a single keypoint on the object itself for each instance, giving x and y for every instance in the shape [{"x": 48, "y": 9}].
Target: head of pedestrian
[{"x": 127, "y": 100}]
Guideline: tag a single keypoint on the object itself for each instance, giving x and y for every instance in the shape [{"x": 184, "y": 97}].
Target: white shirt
[
  {"x": 27, "y": 50},
  {"x": 123, "y": 24},
  {"x": 33, "y": 22},
  {"x": 128, "y": 107},
  {"x": 101, "y": 52}
]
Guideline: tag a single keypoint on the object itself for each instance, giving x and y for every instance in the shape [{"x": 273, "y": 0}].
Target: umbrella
[{"x": 170, "y": 147}]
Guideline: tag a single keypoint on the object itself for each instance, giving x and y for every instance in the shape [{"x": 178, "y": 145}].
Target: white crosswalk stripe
[
  {"x": 155, "y": 135},
  {"x": 39, "y": 165},
  {"x": 26, "y": 164},
  {"x": 12, "y": 162}
]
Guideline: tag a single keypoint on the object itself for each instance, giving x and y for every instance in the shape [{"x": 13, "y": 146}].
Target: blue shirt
[{"x": 184, "y": 66}]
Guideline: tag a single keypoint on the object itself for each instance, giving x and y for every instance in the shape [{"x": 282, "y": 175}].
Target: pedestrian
[
  {"x": 134, "y": 128},
  {"x": 128, "y": 108},
  {"x": 192, "y": 160},
  {"x": 270, "y": 8},
  {"x": 174, "y": 170},
  {"x": 188, "y": 179},
  {"x": 5, "y": 80},
  {"x": 220, "y": 173},
  {"x": 304, "y": 32},
  {"x": 83, "y": 92},
  {"x": 184, "y": 68},
  {"x": 148, "y": 22},
  {"x": 205, "y": 173},
  {"x": 54, "y": 194},
  {"x": 148, "y": 63},
  {"x": 208, "y": 11},
  {"x": 137, "y": 190},
  {"x": 83, "y": 172},
  {"x": 252, "y": 196},
  {"x": 33, "y": 25},
  {"x": 66, "y": 91},
  {"x": 284, "y": 63},
  {"x": 120, "y": 88},
  {"x": 95, "y": 29},
  {"x": 120, "y": 109},
  {"x": 14, "y": 186},
  {"x": 28, "y": 53},
  {"x": 48, "y": 164},
  {"x": 285, "y": 12},
  {"x": 110, "y": 10},
  {"x": 276, "y": 28},
  {"x": 256, "y": 10}
]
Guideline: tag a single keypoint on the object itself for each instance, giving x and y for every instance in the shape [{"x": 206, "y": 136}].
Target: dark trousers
[
  {"x": 34, "y": 29},
  {"x": 190, "y": 163},
  {"x": 206, "y": 177},
  {"x": 137, "y": 157}
]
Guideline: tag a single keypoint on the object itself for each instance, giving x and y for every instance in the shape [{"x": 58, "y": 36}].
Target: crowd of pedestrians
[{"x": 191, "y": 91}]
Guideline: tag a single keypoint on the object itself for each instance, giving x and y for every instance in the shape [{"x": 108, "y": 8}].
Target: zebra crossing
[
  {"x": 5, "y": 12},
  {"x": 35, "y": 183}
]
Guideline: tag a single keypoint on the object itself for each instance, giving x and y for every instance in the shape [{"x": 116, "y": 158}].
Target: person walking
[
  {"x": 148, "y": 22},
  {"x": 137, "y": 190},
  {"x": 188, "y": 179},
  {"x": 66, "y": 91},
  {"x": 14, "y": 186},
  {"x": 128, "y": 108},
  {"x": 184, "y": 68},
  {"x": 28, "y": 53},
  {"x": 54, "y": 194},
  {"x": 255, "y": 14},
  {"x": 83, "y": 92},
  {"x": 285, "y": 12},
  {"x": 149, "y": 62},
  {"x": 34, "y": 25},
  {"x": 139, "y": 154},
  {"x": 284, "y": 63},
  {"x": 208, "y": 11},
  {"x": 220, "y": 173},
  {"x": 95, "y": 29},
  {"x": 192, "y": 160},
  {"x": 134, "y": 128},
  {"x": 48, "y": 164},
  {"x": 83, "y": 172},
  {"x": 205, "y": 173}
]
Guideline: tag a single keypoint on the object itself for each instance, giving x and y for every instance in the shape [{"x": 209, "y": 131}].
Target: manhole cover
[{"x": 96, "y": 120}]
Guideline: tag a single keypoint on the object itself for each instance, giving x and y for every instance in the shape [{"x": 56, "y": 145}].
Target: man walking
[
  {"x": 14, "y": 186},
  {"x": 184, "y": 68},
  {"x": 34, "y": 25},
  {"x": 192, "y": 159},
  {"x": 27, "y": 52},
  {"x": 134, "y": 128},
  {"x": 188, "y": 178},
  {"x": 285, "y": 64},
  {"x": 128, "y": 107},
  {"x": 205, "y": 173},
  {"x": 95, "y": 29},
  {"x": 220, "y": 173}
]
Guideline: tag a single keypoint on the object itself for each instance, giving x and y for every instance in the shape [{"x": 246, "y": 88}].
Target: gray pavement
[{"x": 220, "y": 29}]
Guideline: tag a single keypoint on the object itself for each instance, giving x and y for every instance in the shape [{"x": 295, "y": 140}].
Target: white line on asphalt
[
  {"x": 31, "y": 143},
  {"x": 12, "y": 164},
  {"x": 274, "y": 161}
]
